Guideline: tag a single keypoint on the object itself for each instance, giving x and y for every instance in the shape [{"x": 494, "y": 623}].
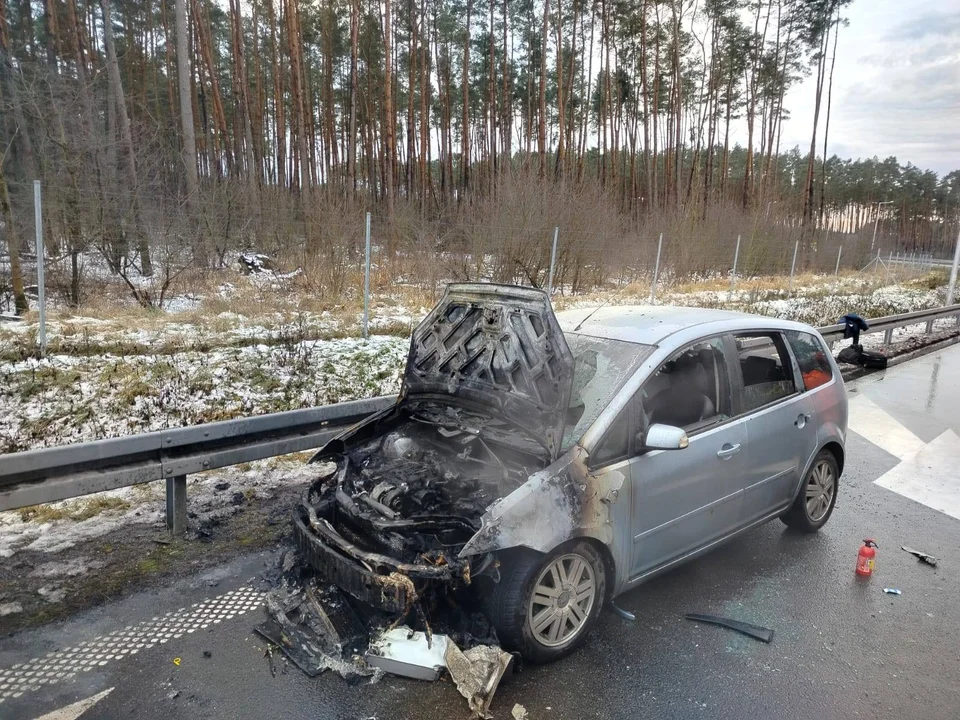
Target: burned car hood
[{"x": 499, "y": 346}]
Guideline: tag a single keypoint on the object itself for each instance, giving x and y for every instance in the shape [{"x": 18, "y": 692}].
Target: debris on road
[
  {"x": 921, "y": 556},
  {"x": 317, "y": 630},
  {"x": 401, "y": 651},
  {"x": 207, "y": 654},
  {"x": 477, "y": 673},
  {"x": 892, "y": 591},
  {"x": 519, "y": 712},
  {"x": 625, "y": 614},
  {"x": 755, "y": 631}
]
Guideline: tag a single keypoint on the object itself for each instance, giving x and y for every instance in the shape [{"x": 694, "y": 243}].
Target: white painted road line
[
  {"x": 927, "y": 473},
  {"x": 62, "y": 665},
  {"x": 75, "y": 710},
  {"x": 930, "y": 476},
  {"x": 869, "y": 420}
]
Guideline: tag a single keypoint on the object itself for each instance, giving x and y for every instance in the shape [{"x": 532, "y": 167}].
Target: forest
[{"x": 170, "y": 134}]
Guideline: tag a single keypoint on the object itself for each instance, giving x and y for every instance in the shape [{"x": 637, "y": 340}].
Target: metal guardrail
[{"x": 58, "y": 473}]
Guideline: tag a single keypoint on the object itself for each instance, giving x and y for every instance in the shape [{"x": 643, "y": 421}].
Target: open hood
[{"x": 499, "y": 346}]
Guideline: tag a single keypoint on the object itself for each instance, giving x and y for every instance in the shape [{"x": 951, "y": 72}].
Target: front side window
[
  {"x": 811, "y": 357},
  {"x": 690, "y": 390},
  {"x": 766, "y": 370},
  {"x": 601, "y": 367}
]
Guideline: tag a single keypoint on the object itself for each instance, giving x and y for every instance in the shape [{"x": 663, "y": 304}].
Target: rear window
[{"x": 811, "y": 357}]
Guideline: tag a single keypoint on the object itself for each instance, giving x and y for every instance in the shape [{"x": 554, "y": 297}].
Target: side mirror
[{"x": 665, "y": 437}]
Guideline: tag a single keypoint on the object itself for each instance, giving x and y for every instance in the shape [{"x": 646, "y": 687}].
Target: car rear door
[
  {"x": 779, "y": 419},
  {"x": 684, "y": 499}
]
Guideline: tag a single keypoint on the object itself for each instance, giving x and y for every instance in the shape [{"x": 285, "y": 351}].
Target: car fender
[{"x": 559, "y": 503}]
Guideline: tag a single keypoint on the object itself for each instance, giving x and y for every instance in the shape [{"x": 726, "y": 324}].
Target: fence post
[
  {"x": 876, "y": 269},
  {"x": 553, "y": 260},
  {"x": 41, "y": 294},
  {"x": 656, "y": 271},
  {"x": 793, "y": 265},
  {"x": 839, "y": 254},
  {"x": 177, "y": 504},
  {"x": 889, "y": 263},
  {"x": 366, "y": 283},
  {"x": 953, "y": 274},
  {"x": 733, "y": 273}
]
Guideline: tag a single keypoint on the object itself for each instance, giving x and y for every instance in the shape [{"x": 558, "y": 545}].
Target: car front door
[
  {"x": 780, "y": 423},
  {"x": 684, "y": 499}
]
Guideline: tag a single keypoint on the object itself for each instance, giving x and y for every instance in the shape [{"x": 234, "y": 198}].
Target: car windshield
[{"x": 601, "y": 367}]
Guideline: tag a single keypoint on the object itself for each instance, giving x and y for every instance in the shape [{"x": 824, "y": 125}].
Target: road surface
[{"x": 842, "y": 649}]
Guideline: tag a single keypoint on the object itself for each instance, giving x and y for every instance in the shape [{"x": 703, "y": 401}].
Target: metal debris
[
  {"x": 477, "y": 673},
  {"x": 403, "y": 652},
  {"x": 317, "y": 629},
  {"x": 755, "y": 631},
  {"x": 921, "y": 556}
]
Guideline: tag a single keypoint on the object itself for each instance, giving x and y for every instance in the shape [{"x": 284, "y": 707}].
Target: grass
[{"x": 77, "y": 511}]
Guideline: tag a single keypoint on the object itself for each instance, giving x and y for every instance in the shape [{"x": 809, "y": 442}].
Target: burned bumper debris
[{"x": 389, "y": 524}]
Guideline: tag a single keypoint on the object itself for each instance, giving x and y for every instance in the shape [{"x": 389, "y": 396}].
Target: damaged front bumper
[{"x": 379, "y": 580}]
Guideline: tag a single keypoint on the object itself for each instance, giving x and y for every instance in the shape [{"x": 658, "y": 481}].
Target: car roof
[{"x": 651, "y": 324}]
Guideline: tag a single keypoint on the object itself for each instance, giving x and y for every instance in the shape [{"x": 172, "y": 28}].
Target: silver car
[{"x": 547, "y": 463}]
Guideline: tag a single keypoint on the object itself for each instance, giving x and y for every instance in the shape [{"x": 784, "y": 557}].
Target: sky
[{"x": 896, "y": 86}]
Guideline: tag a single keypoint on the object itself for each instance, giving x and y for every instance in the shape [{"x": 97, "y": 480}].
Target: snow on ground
[
  {"x": 64, "y": 399},
  {"x": 211, "y": 495}
]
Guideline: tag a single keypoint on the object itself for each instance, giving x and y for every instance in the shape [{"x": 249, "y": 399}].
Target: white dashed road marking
[{"x": 62, "y": 665}]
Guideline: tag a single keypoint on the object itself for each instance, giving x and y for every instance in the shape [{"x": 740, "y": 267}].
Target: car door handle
[
  {"x": 801, "y": 420},
  {"x": 728, "y": 450}
]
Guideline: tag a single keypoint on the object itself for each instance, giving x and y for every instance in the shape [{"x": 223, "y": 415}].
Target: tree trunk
[
  {"x": 189, "y": 145},
  {"x": 352, "y": 140},
  {"x": 388, "y": 119},
  {"x": 465, "y": 128},
  {"x": 13, "y": 246},
  {"x": 826, "y": 125},
  {"x": 126, "y": 139},
  {"x": 542, "y": 124}
]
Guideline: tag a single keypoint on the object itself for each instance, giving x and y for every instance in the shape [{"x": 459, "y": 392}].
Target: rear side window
[
  {"x": 811, "y": 357},
  {"x": 765, "y": 367}
]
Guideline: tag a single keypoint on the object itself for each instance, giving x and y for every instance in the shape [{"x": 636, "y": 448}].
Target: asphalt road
[{"x": 842, "y": 647}]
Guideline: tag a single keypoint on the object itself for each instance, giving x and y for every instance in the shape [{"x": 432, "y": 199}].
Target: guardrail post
[
  {"x": 177, "y": 505},
  {"x": 888, "y": 337},
  {"x": 929, "y": 326}
]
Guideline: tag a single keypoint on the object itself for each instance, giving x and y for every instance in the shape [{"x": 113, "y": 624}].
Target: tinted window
[
  {"x": 765, "y": 366},
  {"x": 690, "y": 390},
  {"x": 811, "y": 357},
  {"x": 616, "y": 443}
]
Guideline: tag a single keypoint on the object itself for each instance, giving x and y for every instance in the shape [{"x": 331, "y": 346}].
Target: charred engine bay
[{"x": 410, "y": 488}]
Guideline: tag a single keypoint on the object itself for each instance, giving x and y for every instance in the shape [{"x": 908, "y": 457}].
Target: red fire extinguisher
[{"x": 865, "y": 558}]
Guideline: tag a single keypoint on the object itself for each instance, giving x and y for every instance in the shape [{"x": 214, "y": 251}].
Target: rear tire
[
  {"x": 545, "y": 605},
  {"x": 814, "y": 504}
]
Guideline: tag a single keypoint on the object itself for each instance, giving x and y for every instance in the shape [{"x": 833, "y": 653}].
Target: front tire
[
  {"x": 814, "y": 504},
  {"x": 545, "y": 605}
]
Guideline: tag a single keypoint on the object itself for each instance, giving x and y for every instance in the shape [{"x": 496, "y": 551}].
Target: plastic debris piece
[
  {"x": 921, "y": 556},
  {"x": 892, "y": 591},
  {"x": 477, "y": 673},
  {"x": 409, "y": 654},
  {"x": 625, "y": 614},
  {"x": 755, "y": 631},
  {"x": 519, "y": 712}
]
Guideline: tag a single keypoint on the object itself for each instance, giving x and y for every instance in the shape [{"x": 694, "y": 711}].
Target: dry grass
[{"x": 79, "y": 510}]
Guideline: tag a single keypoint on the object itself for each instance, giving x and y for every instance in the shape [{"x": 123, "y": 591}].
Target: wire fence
[{"x": 333, "y": 249}]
